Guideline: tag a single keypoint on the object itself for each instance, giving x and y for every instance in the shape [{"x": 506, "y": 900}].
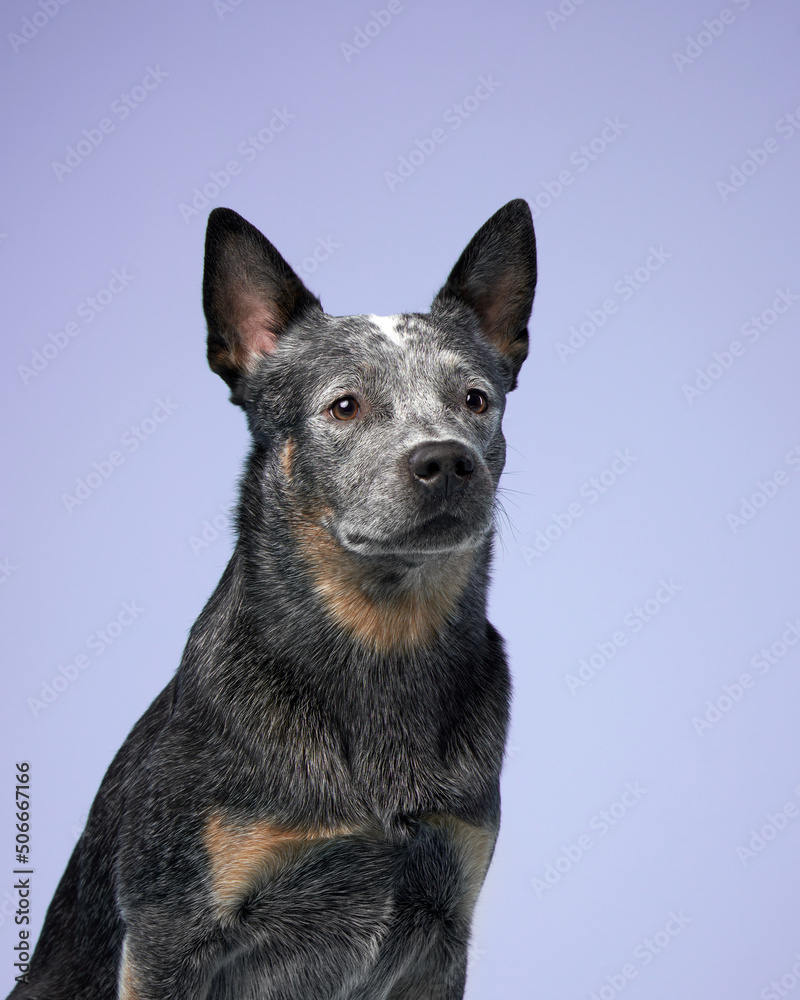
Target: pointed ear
[
  {"x": 495, "y": 277},
  {"x": 250, "y": 296}
]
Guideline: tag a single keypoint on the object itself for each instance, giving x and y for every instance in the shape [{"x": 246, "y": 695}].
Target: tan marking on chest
[
  {"x": 409, "y": 617},
  {"x": 474, "y": 846},
  {"x": 242, "y": 856}
]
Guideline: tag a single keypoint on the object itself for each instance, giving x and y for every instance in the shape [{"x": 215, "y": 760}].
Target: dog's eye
[
  {"x": 345, "y": 408},
  {"x": 476, "y": 401}
]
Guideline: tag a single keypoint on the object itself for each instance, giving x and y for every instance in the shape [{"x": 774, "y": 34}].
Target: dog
[{"x": 309, "y": 808}]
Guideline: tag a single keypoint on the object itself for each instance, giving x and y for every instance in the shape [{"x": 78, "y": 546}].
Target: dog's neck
[
  {"x": 395, "y": 652},
  {"x": 387, "y": 604},
  {"x": 300, "y": 577}
]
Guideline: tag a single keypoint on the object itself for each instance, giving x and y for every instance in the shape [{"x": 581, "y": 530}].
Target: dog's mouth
[{"x": 439, "y": 534}]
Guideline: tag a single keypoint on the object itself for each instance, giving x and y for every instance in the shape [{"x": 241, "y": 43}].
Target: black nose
[{"x": 443, "y": 467}]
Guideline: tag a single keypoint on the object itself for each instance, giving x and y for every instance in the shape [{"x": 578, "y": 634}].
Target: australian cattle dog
[{"x": 308, "y": 810}]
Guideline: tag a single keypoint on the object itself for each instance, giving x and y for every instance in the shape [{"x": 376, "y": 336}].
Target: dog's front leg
[
  {"x": 311, "y": 928},
  {"x": 162, "y": 963}
]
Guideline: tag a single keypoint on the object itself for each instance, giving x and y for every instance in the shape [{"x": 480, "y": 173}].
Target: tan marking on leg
[
  {"x": 413, "y": 615},
  {"x": 241, "y": 856},
  {"x": 474, "y": 845},
  {"x": 127, "y": 988}
]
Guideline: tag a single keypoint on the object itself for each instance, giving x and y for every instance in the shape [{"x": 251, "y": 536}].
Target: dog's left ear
[
  {"x": 250, "y": 297},
  {"x": 496, "y": 278}
]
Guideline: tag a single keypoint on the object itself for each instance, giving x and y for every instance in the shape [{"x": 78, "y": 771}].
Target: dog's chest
[
  {"x": 374, "y": 895},
  {"x": 406, "y": 755},
  {"x": 398, "y": 775},
  {"x": 243, "y": 857}
]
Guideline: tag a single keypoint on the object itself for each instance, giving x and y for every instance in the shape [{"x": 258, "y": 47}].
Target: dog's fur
[{"x": 308, "y": 810}]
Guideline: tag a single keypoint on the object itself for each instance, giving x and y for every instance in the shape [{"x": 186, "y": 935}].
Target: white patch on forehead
[{"x": 388, "y": 327}]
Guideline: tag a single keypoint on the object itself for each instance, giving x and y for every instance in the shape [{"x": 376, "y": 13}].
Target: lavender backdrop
[{"x": 647, "y": 580}]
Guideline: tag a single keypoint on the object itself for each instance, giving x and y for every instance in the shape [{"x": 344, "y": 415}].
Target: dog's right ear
[{"x": 250, "y": 296}]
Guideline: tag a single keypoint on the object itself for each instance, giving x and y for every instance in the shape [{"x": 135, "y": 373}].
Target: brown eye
[
  {"x": 345, "y": 408},
  {"x": 476, "y": 401}
]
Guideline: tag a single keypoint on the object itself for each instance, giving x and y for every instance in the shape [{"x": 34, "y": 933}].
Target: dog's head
[{"x": 384, "y": 432}]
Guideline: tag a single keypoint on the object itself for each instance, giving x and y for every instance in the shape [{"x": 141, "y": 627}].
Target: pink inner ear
[{"x": 257, "y": 325}]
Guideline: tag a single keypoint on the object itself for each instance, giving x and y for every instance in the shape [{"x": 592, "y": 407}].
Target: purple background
[{"x": 722, "y": 255}]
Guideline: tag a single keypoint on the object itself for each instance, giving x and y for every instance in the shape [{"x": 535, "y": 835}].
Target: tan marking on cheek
[
  {"x": 411, "y": 617},
  {"x": 474, "y": 845},
  {"x": 287, "y": 458},
  {"x": 241, "y": 856}
]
